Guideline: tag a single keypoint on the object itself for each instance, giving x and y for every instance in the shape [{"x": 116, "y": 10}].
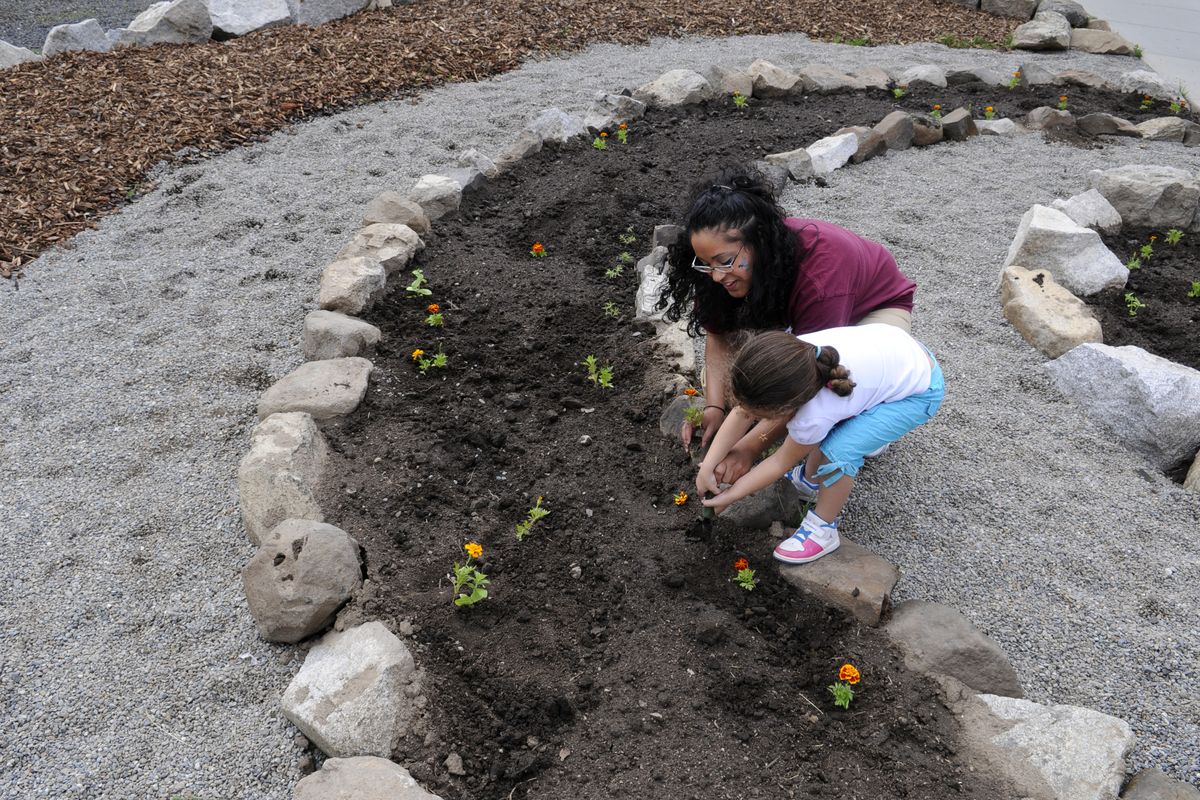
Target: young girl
[{"x": 844, "y": 394}]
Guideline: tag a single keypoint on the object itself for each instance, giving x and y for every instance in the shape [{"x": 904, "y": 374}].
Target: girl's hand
[
  {"x": 733, "y": 466},
  {"x": 706, "y": 481},
  {"x": 717, "y": 504}
]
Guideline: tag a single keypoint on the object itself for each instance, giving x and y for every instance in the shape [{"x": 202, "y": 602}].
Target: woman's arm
[
  {"x": 769, "y": 470},
  {"x": 735, "y": 428},
  {"x": 716, "y": 366}
]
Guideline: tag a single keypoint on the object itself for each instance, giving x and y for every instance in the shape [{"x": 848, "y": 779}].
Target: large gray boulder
[
  {"x": 1076, "y": 14},
  {"x": 1046, "y": 31},
  {"x": 832, "y": 152},
  {"x": 1102, "y": 42},
  {"x": 318, "y": 12},
  {"x": 1145, "y": 82},
  {"x": 677, "y": 87},
  {"x": 281, "y": 475},
  {"x": 1163, "y": 129},
  {"x": 939, "y": 639},
  {"x": 1048, "y": 316},
  {"x": 728, "y": 81},
  {"x": 1101, "y": 124},
  {"x": 1149, "y": 196},
  {"x": 1045, "y": 118},
  {"x": 958, "y": 126},
  {"x": 607, "y": 111},
  {"x": 393, "y": 208},
  {"x": 896, "y": 129},
  {"x": 1091, "y": 210},
  {"x": 556, "y": 126},
  {"x": 851, "y": 578},
  {"x": 86, "y": 35},
  {"x": 240, "y": 17},
  {"x": 11, "y": 55},
  {"x": 926, "y": 130},
  {"x": 349, "y": 698},
  {"x": 437, "y": 195},
  {"x": 324, "y": 389},
  {"x": 526, "y": 144},
  {"x": 1080, "y": 77},
  {"x": 822, "y": 79},
  {"x": 392, "y": 245},
  {"x": 1048, "y": 752},
  {"x": 1049, "y": 240},
  {"x": 303, "y": 572},
  {"x": 772, "y": 81},
  {"x": 872, "y": 78},
  {"x": 168, "y": 22},
  {"x": 923, "y": 75},
  {"x": 1149, "y": 403},
  {"x": 328, "y": 334},
  {"x": 360, "y": 778},
  {"x": 351, "y": 285},
  {"x": 1018, "y": 9},
  {"x": 1153, "y": 784},
  {"x": 798, "y": 163}
]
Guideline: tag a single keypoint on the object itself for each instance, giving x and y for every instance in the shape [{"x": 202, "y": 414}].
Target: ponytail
[{"x": 775, "y": 373}]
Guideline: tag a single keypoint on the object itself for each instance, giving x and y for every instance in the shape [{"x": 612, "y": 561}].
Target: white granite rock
[
  {"x": 1146, "y": 82},
  {"x": 280, "y": 477},
  {"x": 1149, "y": 403},
  {"x": 169, "y": 22},
  {"x": 999, "y": 127},
  {"x": 1091, "y": 210},
  {"x": 772, "y": 81},
  {"x": 1046, "y": 31},
  {"x": 557, "y": 126},
  {"x": 1047, "y": 239},
  {"x": 393, "y": 246},
  {"x": 360, "y": 778},
  {"x": 923, "y": 75},
  {"x": 437, "y": 195},
  {"x": 11, "y": 55},
  {"x": 1048, "y": 316},
  {"x": 675, "y": 88},
  {"x": 318, "y": 12},
  {"x": 1149, "y": 196},
  {"x": 349, "y": 697},
  {"x": 396, "y": 209},
  {"x": 86, "y": 35},
  {"x": 351, "y": 285},
  {"x": 328, "y": 334},
  {"x": 832, "y": 152},
  {"x": 324, "y": 389},
  {"x": 610, "y": 110},
  {"x": 240, "y": 17}
]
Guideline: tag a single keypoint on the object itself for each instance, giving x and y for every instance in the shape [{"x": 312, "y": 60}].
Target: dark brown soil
[
  {"x": 1168, "y": 324},
  {"x": 615, "y": 657}
]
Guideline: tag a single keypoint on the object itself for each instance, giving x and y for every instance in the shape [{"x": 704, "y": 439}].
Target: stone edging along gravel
[{"x": 306, "y": 569}]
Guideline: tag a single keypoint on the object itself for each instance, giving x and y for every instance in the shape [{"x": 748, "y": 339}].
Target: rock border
[{"x": 364, "y": 677}]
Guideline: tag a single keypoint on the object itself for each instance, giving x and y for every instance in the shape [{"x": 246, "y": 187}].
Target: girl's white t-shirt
[{"x": 885, "y": 363}]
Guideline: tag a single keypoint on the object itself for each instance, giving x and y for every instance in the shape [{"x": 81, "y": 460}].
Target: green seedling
[
  {"x": 426, "y": 363},
  {"x": 1133, "y": 263},
  {"x": 470, "y": 585},
  {"x": 1133, "y": 304},
  {"x": 1195, "y": 290},
  {"x": 1062, "y": 102},
  {"x": 854, "y": 41},
  {"x": 1173, "y": 236},
  {"x": 601, "y": 377},
  {"x": 959, "y": 43},
  {"x": 614, "y": 272},
  {"x": 627, "y": 237},
  {"x": 531, "y": 517},
  {"x": 694, "y": 415},
  {"x": 1175, "y": 107},
  {"x": 417, "y": 287},
  {"x": 989, "y": 112},
  {"x": 897, "y": 92},
  {"x": 936, "y": 111},
  {"x": 1015, "y": 80},
  {"x": 601, "y": 141},
  {"x": 1147, "y": 250},
  {"x": 611, "y": 310},
  {"x": 625, "y": 257},
  {"x": 623, "y": 133},
  {"x": 740, "y": 101},
  {"x": 1137, "y": 51}
]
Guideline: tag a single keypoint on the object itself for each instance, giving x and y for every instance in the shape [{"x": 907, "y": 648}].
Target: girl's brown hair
[{"x": 775, "y": 373}]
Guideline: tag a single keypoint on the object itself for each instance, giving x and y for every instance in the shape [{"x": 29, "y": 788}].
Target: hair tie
[
  {"x": 829, "y": 385},
  {"x": 817, "y": 354}
]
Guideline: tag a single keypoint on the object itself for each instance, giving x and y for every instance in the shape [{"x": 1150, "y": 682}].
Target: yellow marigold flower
[
  {"x": 849, "y": 673},
  {"x": 417, "y": 353},
  {"x": 1153, "y": 238},
  {"x": 603, "y": 135},
  {"x": 433, "y": 308},
  {"x": 681, "y": 498},
  {"x": 1062, "y": 97},
  {"x": 989, "y": 108},
  {"x": 474, "y": 550},
  {"x": 622, "y": 127},
  {"x": 1017, "y": 74}
]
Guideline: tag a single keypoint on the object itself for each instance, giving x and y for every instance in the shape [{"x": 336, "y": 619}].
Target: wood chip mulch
[{"x": 79, "y": 132}]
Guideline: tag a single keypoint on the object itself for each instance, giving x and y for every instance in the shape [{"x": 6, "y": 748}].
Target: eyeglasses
[{"x": 720, "y": 269}]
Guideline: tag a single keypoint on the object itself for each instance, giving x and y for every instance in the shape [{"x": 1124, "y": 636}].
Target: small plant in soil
[
  {"x": 744, "y": 576},
  {"x": 435, "y": 319},
  {"x": 1195, "y": 290},
  {"x": 627, "y": 237},
  {"x": 531, "y": 517},
  {"x": 740, "y": 101},
  {"x": 989, "y": 112},
  {"x": 538, "y": 250},
  {"x": 1132, "y": 304},
  {"x": 897, "y": 92},
  {"x": 1175, "y": 107},
  {"x": 1137, "y": 51},
  {"x": 1147, "y": 250},
  {"x": 680, "y": 498},
  {"x": 1147, "y": 101},
  {"x": 426, "y": 363},
  {"x": 1015, "y": 80},
  {"x": 1062, "y": 102},
  {"x": 694, "y": 415},
  {"x": 1173, "y": 236},
  {"x": 611, "y": 310},
  {"x": 601, "y": 141},
  {"x": 614, "y": 272},
  {"x": 936, "y": 111},
  {"x": 623, "y": 133},
  {"x": 417, "y": 287},
  {"x": 625, "y": 257},
  {"x": 470, "y": 585},
  {"x": 843, "y": 690},
  {"x": 1133, "y": 263},
  {"x": 601, "y": 377}
]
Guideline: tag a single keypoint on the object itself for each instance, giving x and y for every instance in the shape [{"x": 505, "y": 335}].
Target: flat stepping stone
[
  {"x": 361, "y": 778},
  {"x": 851, "y": 578},
  {"x": 324, "y": 389},
  {"x": 1048, "y": 316},
  {"x": 1153, "y": 784}
]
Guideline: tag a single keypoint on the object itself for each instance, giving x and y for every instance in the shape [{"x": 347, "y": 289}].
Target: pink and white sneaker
[{"x": 814, "y": 538}]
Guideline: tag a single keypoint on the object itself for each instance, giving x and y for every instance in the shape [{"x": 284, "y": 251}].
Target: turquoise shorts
[{"x": 849, "y": 442}]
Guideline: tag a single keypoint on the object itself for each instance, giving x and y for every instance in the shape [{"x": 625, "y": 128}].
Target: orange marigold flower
[
  {"x": 681, "y": 498},
  {"x": 937, "y": 107},
  {"x": 474, "y": 549},
  {"x": 417, "y": 353},
  {"x": 1017, "y": 74},
  {"x": 433, "y": 308},
  {"x": 603, "y": 135},
  {"x": 1062, "y": 97},
  {"x": 741, "y": 564},
  {"x": 849, "y": 673},
  {"x": 989, "y": 108},
  {"x": 1153, "y": 238},
  {"x": 622, "y": 127},
  {"x": 690, "y": 392},
  {"x": 537, "y": 249}
]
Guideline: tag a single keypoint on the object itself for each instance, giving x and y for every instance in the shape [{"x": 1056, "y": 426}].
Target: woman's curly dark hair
[{"x": 739, "y": 199}]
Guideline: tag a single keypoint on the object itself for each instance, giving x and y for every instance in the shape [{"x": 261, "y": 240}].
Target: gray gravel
[
  {"x": 131, "y": 360},
  {"x": 27, "y": 27}
]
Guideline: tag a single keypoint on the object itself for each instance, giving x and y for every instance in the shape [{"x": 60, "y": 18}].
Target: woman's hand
[
  {"x": 713, "y": 417},
  {"x": 716, "y": 503},
  {"x": 706, "y": 481}
]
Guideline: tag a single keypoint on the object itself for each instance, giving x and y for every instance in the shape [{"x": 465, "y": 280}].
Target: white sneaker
[
  {"x": 814, "y": 538},
  {"x": 807, "y": 489}
]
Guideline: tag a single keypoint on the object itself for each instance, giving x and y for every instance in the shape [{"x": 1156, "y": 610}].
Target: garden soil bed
[
  {"x": 1168, "y": 323},
  {"x": 615, "y": 656}
]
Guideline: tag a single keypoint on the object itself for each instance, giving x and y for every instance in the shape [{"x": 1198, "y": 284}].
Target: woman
[{"x": 740, "y": 265}]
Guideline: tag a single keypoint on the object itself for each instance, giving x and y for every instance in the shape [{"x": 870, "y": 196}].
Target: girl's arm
[
  {"x": 769, "y": 470},
  {"x": 735, "y": 428},
  {"x": 741, "y": 456}
]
